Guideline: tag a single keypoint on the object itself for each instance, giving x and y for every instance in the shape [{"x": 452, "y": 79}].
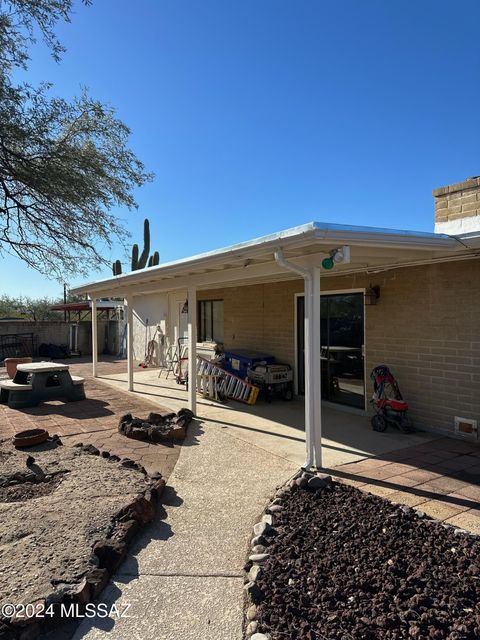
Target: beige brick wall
[
  {"x": 457, "y": 207},
  {"x": 425, "y": 326}
]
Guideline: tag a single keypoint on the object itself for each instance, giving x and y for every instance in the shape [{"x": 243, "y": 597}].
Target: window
[{"x": 210, "y": 321}]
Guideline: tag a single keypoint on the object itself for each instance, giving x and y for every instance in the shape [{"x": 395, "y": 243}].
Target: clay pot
[
  {"x": 11, "y": 365},
  {"x": 29, "y": 437}
]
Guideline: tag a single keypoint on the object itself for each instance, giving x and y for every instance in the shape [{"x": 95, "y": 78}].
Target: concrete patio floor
[{"x": 277, "y": 427}]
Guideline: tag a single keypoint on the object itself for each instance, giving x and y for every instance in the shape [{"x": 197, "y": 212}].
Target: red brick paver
[
  {"x": 95, "y": 420},
  {"x": 441, "y": 478}
]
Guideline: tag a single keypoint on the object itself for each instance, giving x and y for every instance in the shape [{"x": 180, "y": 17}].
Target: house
[{"x": 407, "y": 299}]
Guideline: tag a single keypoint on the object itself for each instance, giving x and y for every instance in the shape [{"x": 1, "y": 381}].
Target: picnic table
[{"x": 37, "y": 382}]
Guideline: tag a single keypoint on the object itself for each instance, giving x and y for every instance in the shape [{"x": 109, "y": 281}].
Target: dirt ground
[{"x": 48, "y": 528}]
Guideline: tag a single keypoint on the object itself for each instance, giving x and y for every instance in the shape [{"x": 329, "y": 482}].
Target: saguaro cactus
[
  {"x": 154, "y": 260},
  {"x": 142, "y": 261}
]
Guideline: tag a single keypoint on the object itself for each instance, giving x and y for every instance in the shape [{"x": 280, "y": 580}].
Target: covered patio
[
  {"x": 277, "y": 428},
  {"x": 303, "y": 430}
]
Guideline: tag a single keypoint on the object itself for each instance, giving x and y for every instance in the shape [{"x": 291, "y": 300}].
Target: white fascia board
[{"x": 327, "y": 232}]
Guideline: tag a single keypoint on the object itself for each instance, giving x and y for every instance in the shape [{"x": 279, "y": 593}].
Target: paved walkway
[
  {"x": 95, "y": 420},
  {"x": 184, "y": 578}
]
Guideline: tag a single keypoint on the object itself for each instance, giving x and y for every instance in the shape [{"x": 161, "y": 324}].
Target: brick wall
[
  {"x": 457, "y": 207},
  {"x": 425, "y": 326}
]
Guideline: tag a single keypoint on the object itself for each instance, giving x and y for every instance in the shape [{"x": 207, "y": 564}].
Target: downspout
[{"x": 308, "y": 284}]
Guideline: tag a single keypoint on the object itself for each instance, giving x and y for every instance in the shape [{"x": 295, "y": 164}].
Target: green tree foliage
[
  {"x": 63, "y": 164},
  {"x": 25, "y": 308}
]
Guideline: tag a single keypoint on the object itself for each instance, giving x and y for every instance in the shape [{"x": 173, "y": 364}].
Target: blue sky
[{"x": 258, "y": 115}]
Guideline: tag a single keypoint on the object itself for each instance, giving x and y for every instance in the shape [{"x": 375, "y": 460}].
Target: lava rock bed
[
  {"x": 157, "y": 427},
  {"x": 343, "y": 564}
]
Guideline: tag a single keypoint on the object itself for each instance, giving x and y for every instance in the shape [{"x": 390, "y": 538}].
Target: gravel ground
[{"x": 348, "y": 565}]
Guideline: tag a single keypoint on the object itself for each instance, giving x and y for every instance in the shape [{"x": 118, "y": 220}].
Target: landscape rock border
[
  {"x": 157, "y": 427},
  {"x": 263, "y": 533},
  {"x": 106, "y": 554}
]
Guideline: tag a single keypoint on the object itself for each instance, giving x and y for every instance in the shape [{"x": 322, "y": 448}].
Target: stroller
[{"x": 388, "y": 403}]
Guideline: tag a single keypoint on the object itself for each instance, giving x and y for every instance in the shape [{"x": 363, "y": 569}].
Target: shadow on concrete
[{"x": 158, "y": 529}]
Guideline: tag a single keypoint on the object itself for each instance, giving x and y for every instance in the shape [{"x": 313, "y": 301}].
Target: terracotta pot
[
  {"x": 11, "y": 365},
  {"x": 29, "y": 437}
]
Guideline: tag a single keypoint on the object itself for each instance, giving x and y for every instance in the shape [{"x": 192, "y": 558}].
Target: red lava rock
[
  {"x": 157, "y": 487},
  {"x": 109, "y": 553},
  {"x": 97, "y": 579},
  {"x": 140, "y": 510},
  {"x": 345, "y": 565},
  {"x": 157, "y": 427}
]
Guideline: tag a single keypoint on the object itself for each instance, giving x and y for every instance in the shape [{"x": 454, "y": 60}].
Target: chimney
[{"x": 457, "y": 207}]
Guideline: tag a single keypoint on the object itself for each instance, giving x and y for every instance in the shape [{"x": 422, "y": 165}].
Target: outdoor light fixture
[
  {"x": 338, "y": 255},
  {"x": 372, "y": 294},
  {"x": 185, "y": 306}
]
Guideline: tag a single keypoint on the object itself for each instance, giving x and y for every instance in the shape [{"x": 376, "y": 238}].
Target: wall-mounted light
[
  {"x": 338, "y": 255},
  {"x": 185, "y": 306},
  {"x": 372, "y": 294}
]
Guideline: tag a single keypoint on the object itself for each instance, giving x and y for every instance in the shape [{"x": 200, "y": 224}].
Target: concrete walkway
[{"x": 183, "y": 580}]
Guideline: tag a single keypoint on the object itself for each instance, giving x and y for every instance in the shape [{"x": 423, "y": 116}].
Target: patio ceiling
[{"x": 371, "y": 249}]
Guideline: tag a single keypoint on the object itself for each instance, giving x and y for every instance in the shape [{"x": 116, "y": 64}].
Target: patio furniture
[{"x": 40, "y": 381}]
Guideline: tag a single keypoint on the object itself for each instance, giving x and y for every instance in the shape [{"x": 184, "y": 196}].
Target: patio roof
[{"x": 372, "y": 249}]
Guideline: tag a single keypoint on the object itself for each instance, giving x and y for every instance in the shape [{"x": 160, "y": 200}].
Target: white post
[
  {"x": 192, "y": 349},
  {"x": 94, "y": 338},
  {"x": 309, "y": 387},
  {"x": 317, "y": 369},
  {"x": 129, "y": 300}
]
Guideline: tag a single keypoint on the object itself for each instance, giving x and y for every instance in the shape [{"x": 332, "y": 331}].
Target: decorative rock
[
  {"x": 258, "y": 548},
  {"x": 109, "y": 553},
  {"x": 317, "y": 483},
  {"x": 257, "y": 540},
  {"x": 420, "y": 514},
  {"x": 267, "y": 519},
  {"x": 251, "y": 612},
  {"x": 157, "y": 487},
  {"x": 276, "y": 501},
  {"x": 140, "y": 510},
  {"x": 261, "y": 527},
  {"x": 254, "y": 592},
  {"x": 89, "y": 448},
  {"x": 127, "y": 463},
  {"x": 255, "y": 572},
  {"x": 260, "y": 636},
  {"x": 324, "y": 476},
  {"x": 301, "y": 482},
  {"x": 97, "y": 579},
  {"x": 259, "y": 557},
  {"x": 251, "y": 628},
  {"x": 276, "y": 508}
]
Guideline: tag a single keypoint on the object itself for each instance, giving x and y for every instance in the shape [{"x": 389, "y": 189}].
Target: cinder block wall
[{"x": 425, "y": 326}]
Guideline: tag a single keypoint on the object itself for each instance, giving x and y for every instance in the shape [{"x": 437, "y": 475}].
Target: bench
[{"x": 17, "y": 386}]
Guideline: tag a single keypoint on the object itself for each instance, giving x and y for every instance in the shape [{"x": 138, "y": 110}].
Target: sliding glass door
[{"x": 342, "y": 339}]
